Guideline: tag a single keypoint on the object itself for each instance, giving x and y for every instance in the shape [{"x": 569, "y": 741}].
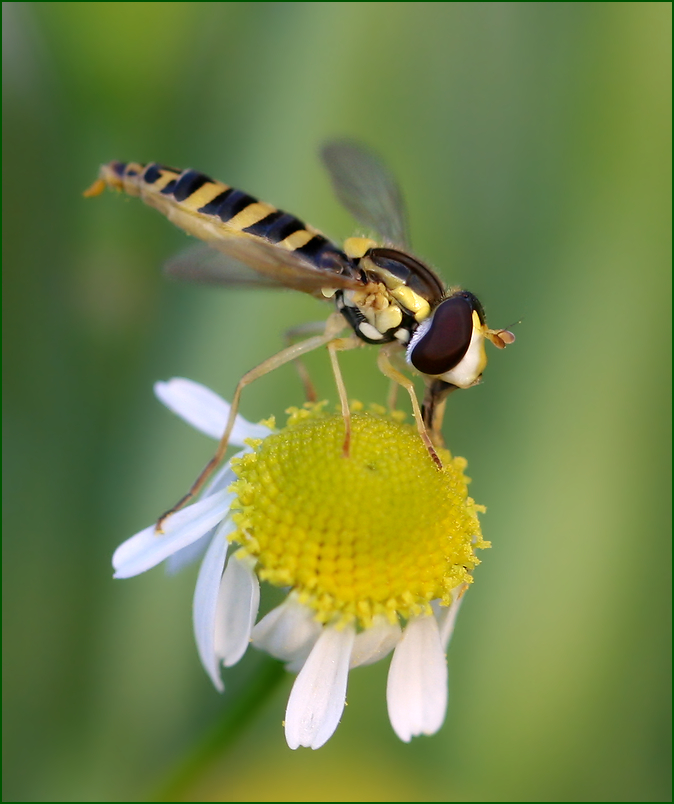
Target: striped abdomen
[{"x": 210, "y": 209}]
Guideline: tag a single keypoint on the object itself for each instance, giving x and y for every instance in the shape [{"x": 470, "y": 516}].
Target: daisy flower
[{"x": 375, "y": 551}]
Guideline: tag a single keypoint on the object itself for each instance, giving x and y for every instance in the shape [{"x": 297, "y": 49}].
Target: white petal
[
  {"x": 297, "y": 663},
  {"x": 148, "y": 548},
  {"x": 205, "y": 604},
  {"x": 446, "y": 615},
  {"x": 317, "y": 698},
  {"x": 288, "y": 632},
  {"x": 222, "y": 479},
  {"x": 205, "y": 410},
  {"x": 188, "y": 555},
  {"x": 238, "y": 603},
  {"x": 375, "y": 643},
  {"x": 416, "y": 692}
]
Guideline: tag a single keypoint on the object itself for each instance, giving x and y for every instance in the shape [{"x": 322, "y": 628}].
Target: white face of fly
[{"x": 469, "y": 370}]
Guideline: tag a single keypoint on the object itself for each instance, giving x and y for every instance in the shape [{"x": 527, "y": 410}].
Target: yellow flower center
[{"x": 380, "y": 532}]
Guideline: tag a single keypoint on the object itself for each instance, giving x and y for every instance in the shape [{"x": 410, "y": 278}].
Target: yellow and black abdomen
[{"x": 212, "y": 211}]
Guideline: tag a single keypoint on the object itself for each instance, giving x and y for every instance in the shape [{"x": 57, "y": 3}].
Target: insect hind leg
[
  {"x": 290, "y": 336},
  {"x": 334, "y": 325}
]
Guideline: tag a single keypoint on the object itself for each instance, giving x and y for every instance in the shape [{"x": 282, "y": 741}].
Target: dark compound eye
[{"x": 446, "y": 341}]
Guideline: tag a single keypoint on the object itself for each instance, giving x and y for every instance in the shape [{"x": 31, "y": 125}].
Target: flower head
[{"x": 375, "y": 550}]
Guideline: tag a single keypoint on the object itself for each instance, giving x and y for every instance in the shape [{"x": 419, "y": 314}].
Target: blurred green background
[{"x": 533, "y": 144}]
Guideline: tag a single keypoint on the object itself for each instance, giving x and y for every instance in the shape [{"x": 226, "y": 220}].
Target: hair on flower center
[{"x": 380, "y": 532}]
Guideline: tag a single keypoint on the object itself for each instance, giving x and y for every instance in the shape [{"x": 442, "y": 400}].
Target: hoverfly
[{"x": 387, "y": 296}]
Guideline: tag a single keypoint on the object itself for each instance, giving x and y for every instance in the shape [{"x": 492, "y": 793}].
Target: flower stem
[{"x": 259, "y": 687}]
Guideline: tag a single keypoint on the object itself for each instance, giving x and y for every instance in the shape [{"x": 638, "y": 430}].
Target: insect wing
[
  {"x": 205, "y": 266},
  {"x": 246, "y": 261},
  {"x": 366, "y": 187}
]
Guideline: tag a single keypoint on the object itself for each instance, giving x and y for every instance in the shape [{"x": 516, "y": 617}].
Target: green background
[{"x": 533, "y": 144}]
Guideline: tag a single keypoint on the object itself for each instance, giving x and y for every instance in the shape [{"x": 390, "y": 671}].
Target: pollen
[{"x": 382, "y": 531}]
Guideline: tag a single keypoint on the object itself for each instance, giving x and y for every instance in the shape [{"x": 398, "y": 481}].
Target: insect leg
[
  {"x": 392, "y": 396},
  {"x": 334, "y": 325},
  {"x": 388, "y": 370},
  {"x": 343, "y": 399},
  {"x": 343, "y": 345},
  {"x": 290, "y": 336},
  {"x": 433, "y": 408}
]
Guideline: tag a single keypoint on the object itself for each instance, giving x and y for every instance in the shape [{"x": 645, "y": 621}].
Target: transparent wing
[
  {"x": 366, "y": 187},
  {"x": 240, "y": 260},
  {"x": 203, "y": 265}
]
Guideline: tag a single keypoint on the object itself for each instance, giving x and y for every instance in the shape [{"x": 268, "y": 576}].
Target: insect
[{"x": 387, "y": 296}]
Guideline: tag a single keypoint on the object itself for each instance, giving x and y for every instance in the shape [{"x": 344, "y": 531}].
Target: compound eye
[{"x": 445, "y": 341}]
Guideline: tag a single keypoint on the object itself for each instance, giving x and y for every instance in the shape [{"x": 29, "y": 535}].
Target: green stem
[{"x": 257, "y": 690}]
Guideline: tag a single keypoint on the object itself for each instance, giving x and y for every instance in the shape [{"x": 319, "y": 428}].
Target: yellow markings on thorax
[
  {"x": 389, "y": 279},
  {"x": 412, "y": 301},
  {"x": 395, "y": 286},
  {"x": 204, "y": 195},
  {"x": 251, "y": 215}
]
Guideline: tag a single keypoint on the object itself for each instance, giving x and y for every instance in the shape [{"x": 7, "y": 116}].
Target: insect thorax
[
  {"x": 373, "y": 319},
  {"x": 401, "y": 293}
]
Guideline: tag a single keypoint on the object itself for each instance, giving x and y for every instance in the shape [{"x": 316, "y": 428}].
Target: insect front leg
[
  {"x": 334, "y": 325},
  {"x": 388, "y": 370},
  {"x": 433, "y": 408}
]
